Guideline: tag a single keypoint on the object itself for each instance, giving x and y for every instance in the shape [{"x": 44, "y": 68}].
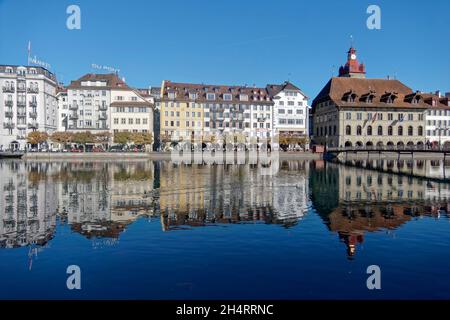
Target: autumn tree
[
  {"x": 63, "y": 138},
  {"x": 122, "y": 137},
  {"x": 83, "y": 138},
  {"x": 37, "y": 137}
]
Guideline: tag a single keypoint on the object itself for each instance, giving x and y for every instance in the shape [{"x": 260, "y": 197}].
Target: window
[
  {"x": 130, "y": 120},
  {"x": 369, "y": 116},
  {"x": 420, "y": 131},
  {"x": 281, "y": 111},
  {"x": 410, "y": 117},
  {"x": 210, "y": 96},
  {"x": 400, "y": 117},
  {"x": 348, "y": 130},
  {"x": 145, "y": 121},
  {"x": 380, "y": 130},
  {"x": 390, "y": 131},
  {"x": 348, "y": 116},
  {"x": 138, "y": 121},
  {"x": 400, "y": 131},
  {"x": 192, "y": 96},
  {"x": 290, "y": 103},
  {"x": 299, "y": 111},
  {"x": 420, "y": 117},
  {"x": 369, "y": 130},
  {"x": 359, "y": 116},
  {"x": 123, "y": 121},
  {"x": 116, "y": 120},
  {"x": 227, "y": 97},
  {"x": 410, "y": 131},
  {"x": 358, "y": 130},
  {"x": 243, "y": 97}
]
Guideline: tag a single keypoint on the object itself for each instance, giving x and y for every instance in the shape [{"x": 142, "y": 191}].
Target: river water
[{"x": 157, "y": 230}]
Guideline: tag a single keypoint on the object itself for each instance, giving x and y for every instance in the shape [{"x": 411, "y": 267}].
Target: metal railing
[{"x": 8, "y": 89}]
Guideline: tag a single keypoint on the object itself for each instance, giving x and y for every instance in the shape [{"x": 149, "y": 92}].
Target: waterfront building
[
  {"x": 438, "y": 119},
  {"x": 104, "y": 102},
  {"x": 194, "y": 112},
  {"x": 63, "y": 108},
  {"x": 353, "y": 111},
  {"x": 290, "y": 110},
  {"x": 27, "y": 103},
  {"x": 153, "y": 95}
]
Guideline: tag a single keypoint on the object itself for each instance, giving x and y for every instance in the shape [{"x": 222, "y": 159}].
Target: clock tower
[{"x": 352, "y": 69}]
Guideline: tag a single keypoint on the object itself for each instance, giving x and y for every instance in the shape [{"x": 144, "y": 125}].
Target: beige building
[{"x": 352, "y": 111}]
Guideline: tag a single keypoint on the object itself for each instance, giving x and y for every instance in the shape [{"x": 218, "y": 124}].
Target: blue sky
[{"x": 232, "y": 42}]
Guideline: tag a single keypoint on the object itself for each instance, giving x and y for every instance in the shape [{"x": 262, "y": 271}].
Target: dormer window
[
  {"x": 390, "y": 100},
  {"x": 192, "y": 95},
  {"x": 172, "y": 95},
  {"x": 210, "y": 96},
  {"x": 243, "y": 97},
  {"x": 9, "y": 70},
  {"x": 227, "y": 97},
  {"x": 351, "y": 97}
]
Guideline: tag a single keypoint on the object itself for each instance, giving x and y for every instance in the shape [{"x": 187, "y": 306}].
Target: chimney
[{"x": 438, "y": 93}]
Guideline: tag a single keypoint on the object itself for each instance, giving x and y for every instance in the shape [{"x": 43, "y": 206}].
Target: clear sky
[{"x": 232, "y": 42}]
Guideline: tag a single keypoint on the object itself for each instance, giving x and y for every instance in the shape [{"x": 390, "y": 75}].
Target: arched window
[
  {"x": 390, "y": 131},
  {"x": 358, "y": 130},
  {"x": 410, "y": 131},
  {"x": 380, "y": 130},
  {"x": 420, "y": 131},
  {"x": 348, "y": 130},
  {"x": 400, "y": 130},
  {"x": 369, "y": 130}
]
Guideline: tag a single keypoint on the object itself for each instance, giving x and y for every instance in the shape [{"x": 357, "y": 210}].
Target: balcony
[
  {"x": 73, "y": 127},
  {"x": 103, "y": 108},
  {"x": 33, "y": 126},
  {"x": 9, "y": 114},
  {"x": 73, "y": 107},
  {"x": 21, "y": 114},
  {"x": 33, "y": 104},
  {"x": 32, "y": 90},
  {"x": 22, "y": 125},
  {"x": 8, "y": 125},
  {"x": 19, "y": 137},
  {"x": 73, "y": 116},
  {"x": 33, "y": 115},
  {"x": 102, "y": 116},
  {"x": 9, "y": 103},
  {"x": 9, "y": 89},
  {"x": 21, "y": 104},
  {"x": 21, "y": 89}
]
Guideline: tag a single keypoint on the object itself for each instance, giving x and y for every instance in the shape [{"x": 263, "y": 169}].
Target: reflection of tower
[{"x": 351, "y": 240}]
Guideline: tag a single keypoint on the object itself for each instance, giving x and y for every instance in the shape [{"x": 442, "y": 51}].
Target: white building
[
  {"x": 130, "y": 112},
  {"x": 438, "y": 119},
  {"x": 27, "y": 103},
  {"x": 290, "y": 109},
  {"x": 63, "y": 109}
]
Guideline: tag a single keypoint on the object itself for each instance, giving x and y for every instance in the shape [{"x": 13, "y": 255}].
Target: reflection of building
[
  {"x": 352, "y": 111},
  {"x": 198, "y": 195},
  {"x": 353, "y": 201},
  {"x": 27, "y": 205}
]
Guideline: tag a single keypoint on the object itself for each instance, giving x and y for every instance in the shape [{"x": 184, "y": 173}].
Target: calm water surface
[{"x": 156, "y": 230}]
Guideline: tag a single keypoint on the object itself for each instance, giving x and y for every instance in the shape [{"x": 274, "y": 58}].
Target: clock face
[{"x": 353, "y": 56}]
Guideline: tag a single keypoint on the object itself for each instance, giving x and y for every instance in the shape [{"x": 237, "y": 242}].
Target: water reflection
[
  {"x": 353, "y": 201},
  {"x": 99, "y": 200}
]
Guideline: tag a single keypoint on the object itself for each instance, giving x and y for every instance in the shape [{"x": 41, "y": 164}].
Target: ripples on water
[{"x": 142, "y": 229}]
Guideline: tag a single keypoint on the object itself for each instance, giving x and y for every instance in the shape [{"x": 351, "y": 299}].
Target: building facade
[
  {"x": 104, "y": 102},
  {"x": 290, "y": 109},
  {"x": 211, "y": 113},
  {"x": 352, "y": 111},
  {"x": 27, "y": 103},
  {"x": 63, "y": 108},
  {"x": 438, "y": 120}
]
